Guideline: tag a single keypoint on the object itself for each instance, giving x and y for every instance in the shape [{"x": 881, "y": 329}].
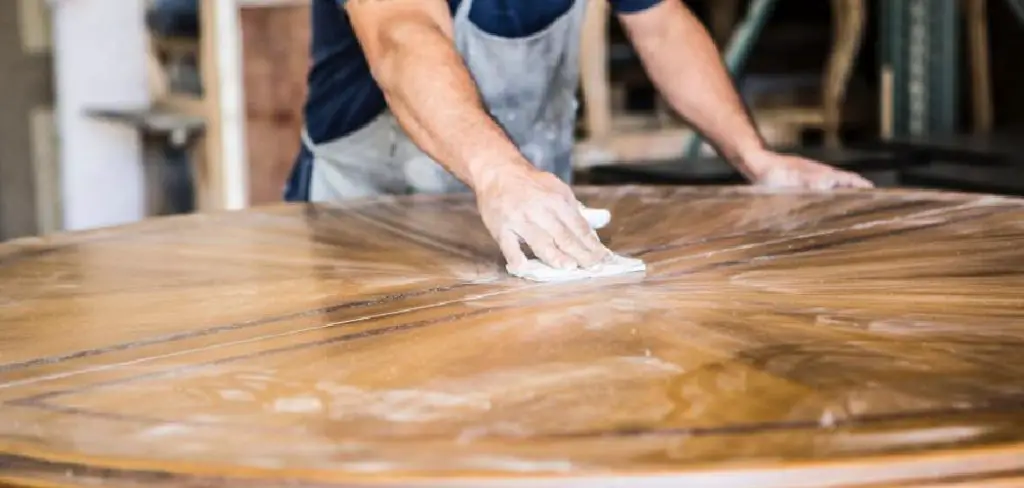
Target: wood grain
[{"x": 777, "y": 339}]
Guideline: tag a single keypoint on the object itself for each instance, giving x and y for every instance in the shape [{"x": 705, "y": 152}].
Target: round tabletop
[{"x": 776, "y": 339}]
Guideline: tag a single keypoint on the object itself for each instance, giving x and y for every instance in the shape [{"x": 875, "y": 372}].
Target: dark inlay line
[
  {"x": 468, "y": 251},
  {"x": 4, "y": 368},
  {"x": 133, "y": 231},
  {"x": 381, "y": 222},
  {"x": 763, "y": 231},
  {"x": 31, "y": 254},
  {"x": 13, "y": 463},
  {"x": 692, "y": 243},
  {"x": 874, "y": 209},
  {"x": 30, "y": 401},
  {"x": 955, "y": 481},
  {"x": 844, "y": 240},
  {"x": 812, "y": 247},
  {"x": 996, "y": 406},
  {"x": 113, "y": 416},
  {"x": 867, "y": 237}
]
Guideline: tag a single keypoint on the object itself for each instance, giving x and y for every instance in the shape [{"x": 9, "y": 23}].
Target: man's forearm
[
  {"x": 436, "y": 101},
  {"x": 686, "y": 67}
]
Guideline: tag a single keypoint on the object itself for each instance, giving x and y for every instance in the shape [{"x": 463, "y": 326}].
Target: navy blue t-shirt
[{"x": 343, "y": 96}]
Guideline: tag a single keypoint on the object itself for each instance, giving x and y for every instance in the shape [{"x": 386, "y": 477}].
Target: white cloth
[
  {"x": 596, "y": 217},
  {"x": 535, "y": 270}
]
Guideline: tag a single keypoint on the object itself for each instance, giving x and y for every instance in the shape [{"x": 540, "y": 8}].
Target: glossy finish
[{"x": 777, "y": 339}]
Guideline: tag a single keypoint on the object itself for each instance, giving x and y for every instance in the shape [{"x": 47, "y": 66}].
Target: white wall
[{"x": 99, "y": 51}]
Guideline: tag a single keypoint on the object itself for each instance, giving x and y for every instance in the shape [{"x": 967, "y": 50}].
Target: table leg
[
  {"x": 848, "y": 22},
  {"x": 981, "y": 80},
  {"x": 594, "y": 71}
]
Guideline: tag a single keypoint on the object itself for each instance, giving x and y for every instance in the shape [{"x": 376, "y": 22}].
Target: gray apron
[{"x": 528, "y": 85}]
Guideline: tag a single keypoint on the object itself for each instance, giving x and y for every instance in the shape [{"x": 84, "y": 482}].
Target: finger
[
  {"x": 574, "y": 222},
  {"x": 846, "y": 180},
  {"x": 858, "y": 181},
  {"x": 569, "y": 239},
  {"x": 826, "y": 181},
  {"x": 594, "y": 251},
  {"x": 509, "y": 244},
  {"x": 543, "y": 245},
  {"x": 784, "y": 178}
]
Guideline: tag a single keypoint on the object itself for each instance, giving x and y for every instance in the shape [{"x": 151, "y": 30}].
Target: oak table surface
[{"x": 777, "y": 339}]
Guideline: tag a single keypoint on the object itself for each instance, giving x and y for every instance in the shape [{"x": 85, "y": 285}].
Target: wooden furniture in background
[
  {"x": 609, "y": 140},
  {"x": 594, "y": 80},
  {"x": 607, "y": 143},
  {"x": 848, "y": 18},
  {"x": 275, "y": 68},
  {"x": 777, "y": 339},
  {"x": 164, "y": 50},
  {"x": 29, "y": 166},
  {"x": 218, "y": 151},
  {"x": 272, "y": 89},
  {"x": 981, "y": 73}
]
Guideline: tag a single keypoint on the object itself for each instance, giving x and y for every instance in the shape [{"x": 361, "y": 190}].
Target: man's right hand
[
  {"x": 409, "y": 45},
  {"x": 521, "y": 203}
]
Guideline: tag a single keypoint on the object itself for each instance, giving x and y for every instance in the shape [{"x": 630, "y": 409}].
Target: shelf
[{"x": 153, "y": 120}]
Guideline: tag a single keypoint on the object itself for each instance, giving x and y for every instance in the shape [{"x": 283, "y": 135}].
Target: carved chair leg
[
  {"x": 981, "y": 81},
  {"x": 594, "y": 71},
  {"x": 848, "y": 22}
]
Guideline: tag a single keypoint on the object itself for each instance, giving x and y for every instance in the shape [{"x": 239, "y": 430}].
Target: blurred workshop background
[{"x": 116, "y": 111}]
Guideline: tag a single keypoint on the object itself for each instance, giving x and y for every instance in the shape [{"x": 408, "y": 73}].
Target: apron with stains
[{"x": 528, "y": 84}]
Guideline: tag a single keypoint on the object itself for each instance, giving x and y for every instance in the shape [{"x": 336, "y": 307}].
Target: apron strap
[
  {"x": 462, "y": 12},
  {"x": 297, "y": 187}
]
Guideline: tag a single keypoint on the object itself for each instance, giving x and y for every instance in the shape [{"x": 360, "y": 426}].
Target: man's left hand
[{"x": 775, "y": 170}]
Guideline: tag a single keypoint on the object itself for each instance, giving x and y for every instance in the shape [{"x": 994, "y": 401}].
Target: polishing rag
[{"x": 536, "y": 270}]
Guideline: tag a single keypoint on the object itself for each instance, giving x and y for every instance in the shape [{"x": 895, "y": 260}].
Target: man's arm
[
  {"x": 412, "y": 56},
  {"x": 409, "y": 47},
  {"x": 686, "y": 67}
]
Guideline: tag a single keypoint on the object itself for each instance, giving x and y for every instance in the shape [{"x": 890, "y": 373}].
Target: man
[{"x": 413, "y": 96}]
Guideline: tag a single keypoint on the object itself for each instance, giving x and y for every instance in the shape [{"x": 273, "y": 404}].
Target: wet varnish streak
[{"x": 777, "y": 339}]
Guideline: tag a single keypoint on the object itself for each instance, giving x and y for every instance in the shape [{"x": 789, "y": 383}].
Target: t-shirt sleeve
[{"x": 632, "y": 6}]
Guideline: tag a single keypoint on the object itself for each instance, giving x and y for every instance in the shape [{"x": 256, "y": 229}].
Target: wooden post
[
  {"x": 981, "y": 79},
  {"x": 848, "y": 25},
  {"x": 222, "y": 180},
  {"x": 594, "y": 71}
]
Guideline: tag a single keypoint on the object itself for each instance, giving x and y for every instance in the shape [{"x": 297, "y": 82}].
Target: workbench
[{"x": 854, "y": 338}]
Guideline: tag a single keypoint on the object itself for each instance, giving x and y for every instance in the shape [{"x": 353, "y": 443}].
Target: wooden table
[{"x": 778, "y": 339}]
